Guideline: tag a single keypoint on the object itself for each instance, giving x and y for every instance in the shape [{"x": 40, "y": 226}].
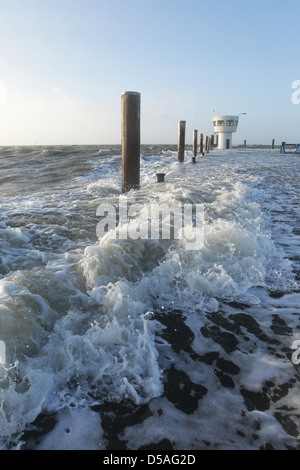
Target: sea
[{"x": 110, "y": 343}]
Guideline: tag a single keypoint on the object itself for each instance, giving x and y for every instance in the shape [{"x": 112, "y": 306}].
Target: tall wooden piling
[
  {"x": 131, "y": 109},
  {"x": 245, "y": 143},
  {"x": 195, "y": 141},
  {"x": 201, "y": 145},
  {"x": 207, "y": 144},
  {"x": 212, "y": 140},
  {"x": 273, "y": 144},
  {"x": 181, "y": 140}
]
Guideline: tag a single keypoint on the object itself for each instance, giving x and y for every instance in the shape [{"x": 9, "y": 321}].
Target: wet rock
[
  {"x": 225, "y": 380},
  {"x": 34, "y": 433},
  {"x": 288, "y": 424},
  {"x": 252, "y": 326},
  {"x": 227, "y": 340},
  {"x": 228, "y": 366},
  {"x": 176, "y": 332},
  {"x": 115, "y": 417},
  {"x": 219, "y": 318},
  {"x": 182, "y": 392},
  {"x": 280, "y": 327},
  {"x": 164, "y": 444},
  {"x": 255, "y": 400},
  {"x": 209, "y": 358}
]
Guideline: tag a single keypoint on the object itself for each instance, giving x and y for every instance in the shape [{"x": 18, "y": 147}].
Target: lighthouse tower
[{"x": 224, "y": 126}]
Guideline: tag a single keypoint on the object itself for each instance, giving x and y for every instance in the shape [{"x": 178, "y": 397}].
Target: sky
[{"x": 64, "y": 65}]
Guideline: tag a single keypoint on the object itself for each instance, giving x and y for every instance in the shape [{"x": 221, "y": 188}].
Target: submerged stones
[
  {"x": 182, "y": 392},
  {"x": 204, "y": 361},
  {"x": 227, "y": 340}
]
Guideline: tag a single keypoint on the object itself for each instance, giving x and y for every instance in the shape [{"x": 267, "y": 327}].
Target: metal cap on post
[{"x": 131, "y": 110}]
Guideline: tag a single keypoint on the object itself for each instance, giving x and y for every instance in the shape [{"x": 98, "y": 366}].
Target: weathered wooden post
[
  {"x": 273, "y": 144},
  {"x": 201, "y": 144},
  {"x": 181, "y": 140},
  {"x": 212, "y": 140},
  {"x": 207, "y": 144},
  {"x": 131, "y": 109},
  {"x": 245, "y": 143},
  {"x": 217, "y": 140},
  {"x": 195, "y": 141}
]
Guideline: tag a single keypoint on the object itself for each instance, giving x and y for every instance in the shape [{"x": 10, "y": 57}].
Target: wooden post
[
  {"x": 181, "y": 140},
  {"x": 273, "y": 144},
  {"x": 212, "y": 140},
  {"x": 207, "y": 144},
  {"x": 201, "y": 144},
  {"x": 131, "y": 104},
  {"x": 217, "y": 140},
  {"x": 245, "y": 143},
  {"x": 195, "y": 141}
]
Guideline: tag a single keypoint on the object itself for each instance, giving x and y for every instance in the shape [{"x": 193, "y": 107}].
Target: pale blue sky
[{"x": 65, "y": 63}]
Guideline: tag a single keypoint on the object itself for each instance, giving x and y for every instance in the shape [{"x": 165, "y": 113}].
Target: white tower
[{"x": 224, "y": 126}]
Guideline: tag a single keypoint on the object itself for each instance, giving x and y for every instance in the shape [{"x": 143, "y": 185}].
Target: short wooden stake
[
  {"x": 160, "y": 177},
  {"x": 181, "y": 140},
  {"x": 131, "y": 105}
]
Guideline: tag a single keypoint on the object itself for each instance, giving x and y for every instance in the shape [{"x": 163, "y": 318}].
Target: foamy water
[{"x": 124, "y": 343}]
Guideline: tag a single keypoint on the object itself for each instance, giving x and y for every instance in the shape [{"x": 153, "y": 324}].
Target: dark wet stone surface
[
  {"x": 287, "y": 423},
  {"x": 255, "y": 400},
  {"x": 269, "y": 392},
  {"x": 176, "y": 332},
  {"x": 280, "y": 327},
  {"x": 182, "y": 392},
  {"x": 227, "y": 366},
  {"x": 42, "y": 425},
  {"x": 228, "y": 332},
  {"x": 116, "y": 417},
  {"x": 225, "y": 380},
  {"x": 164, "y": 444},
  {"x": 227, "y": 340}
]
